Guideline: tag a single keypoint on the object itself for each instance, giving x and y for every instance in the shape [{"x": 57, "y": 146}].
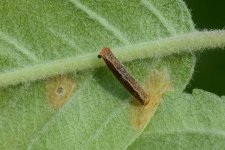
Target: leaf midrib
[{"x": 189, "y": 42}]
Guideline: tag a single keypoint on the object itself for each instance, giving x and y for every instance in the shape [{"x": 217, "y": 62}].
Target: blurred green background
[{"x": 210, "y": 68}]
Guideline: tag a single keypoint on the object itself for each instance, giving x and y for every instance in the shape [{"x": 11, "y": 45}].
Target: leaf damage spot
[
  {"x": 59, "y": 89},
  {"x": 157, "y": 84}
]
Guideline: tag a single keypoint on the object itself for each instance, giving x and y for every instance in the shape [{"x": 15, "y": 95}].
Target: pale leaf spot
[
  {"x": 59, "y": 89},
  {"x": 157, "y": 84}
]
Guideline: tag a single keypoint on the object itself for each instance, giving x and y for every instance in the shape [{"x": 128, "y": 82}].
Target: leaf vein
[
  {"x": 104, "y": 22},
  {"x": 158, "y": 15},
  {"x": 66, "y": 40},
  {"x": 104, "y": 124},
  {"x": 186, "y": 43},
  {"x": 18, "y": 46}
]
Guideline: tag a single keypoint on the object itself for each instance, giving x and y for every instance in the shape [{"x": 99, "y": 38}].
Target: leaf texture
[
  {"x": 186, "y": 121},
  {"x": 97, "y": 113}
]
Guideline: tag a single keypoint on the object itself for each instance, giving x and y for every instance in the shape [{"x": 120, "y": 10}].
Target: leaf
[
  {"x": 97, "y": 115},
  {"x": 186, "y": 121}
]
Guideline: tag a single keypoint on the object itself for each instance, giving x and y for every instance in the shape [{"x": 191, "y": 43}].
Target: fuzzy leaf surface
[
  {"x": 186, "y": 121},
  {"x": 96, "y": 115}
]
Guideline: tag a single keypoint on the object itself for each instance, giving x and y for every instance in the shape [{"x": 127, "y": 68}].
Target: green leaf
[
  {"x": 186, "y": 121},
  {"x": 86, "y": 109}
]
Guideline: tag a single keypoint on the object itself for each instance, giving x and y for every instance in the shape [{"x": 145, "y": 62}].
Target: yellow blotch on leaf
[
  {"x": 59, "y": 89},
  {"x": 157, "y": 84}
]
